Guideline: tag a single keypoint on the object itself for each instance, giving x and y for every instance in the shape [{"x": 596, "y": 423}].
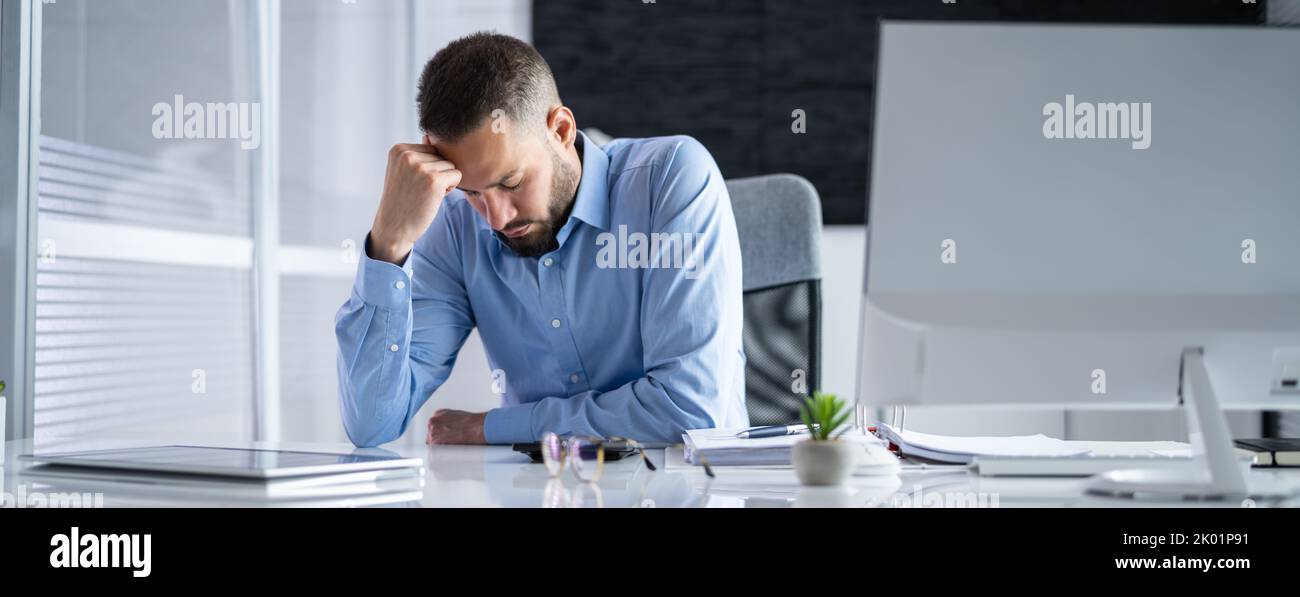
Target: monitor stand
[{"x": 1215, "y": 473}]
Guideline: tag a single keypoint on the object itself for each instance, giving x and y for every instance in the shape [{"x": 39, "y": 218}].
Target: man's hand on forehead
[{"x": 417, "y": 180}]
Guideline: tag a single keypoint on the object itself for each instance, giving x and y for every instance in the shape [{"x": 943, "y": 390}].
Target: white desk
[{"x": 472, "y": 476}]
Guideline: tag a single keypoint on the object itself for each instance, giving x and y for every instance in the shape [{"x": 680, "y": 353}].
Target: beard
[{"x": 564, "y": 185}]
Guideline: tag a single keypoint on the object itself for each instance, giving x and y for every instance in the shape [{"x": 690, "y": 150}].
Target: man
[{"x": 508, "y": 218}]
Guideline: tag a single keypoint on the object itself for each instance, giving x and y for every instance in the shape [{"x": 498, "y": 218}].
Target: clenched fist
[
  {"x": 417, "y": 180},
  {"x": 448, "y": 426}
]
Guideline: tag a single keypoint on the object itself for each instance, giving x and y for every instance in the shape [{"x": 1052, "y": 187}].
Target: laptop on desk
[{"x": 240, "y": 463}]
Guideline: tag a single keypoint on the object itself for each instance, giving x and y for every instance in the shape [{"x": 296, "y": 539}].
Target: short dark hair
[{"x": 479, "y": 73}]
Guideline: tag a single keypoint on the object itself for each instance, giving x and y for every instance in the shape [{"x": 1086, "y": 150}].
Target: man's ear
[
  {"x": 426, "y": 140},
  {"x": 562, "y": 126}
]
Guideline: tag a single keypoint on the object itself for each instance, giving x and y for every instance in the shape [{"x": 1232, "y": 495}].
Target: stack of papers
[
  {"x": 963, "y": 450},
  {"x": 722, "y": 448}
]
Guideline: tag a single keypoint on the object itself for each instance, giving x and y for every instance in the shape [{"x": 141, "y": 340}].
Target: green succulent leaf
[{"x": 824, "y": 414}]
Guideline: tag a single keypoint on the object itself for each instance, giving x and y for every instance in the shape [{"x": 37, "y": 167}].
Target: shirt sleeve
[
  {"x": 384, "y": 375},
  {"x": 691, "y": 325}
]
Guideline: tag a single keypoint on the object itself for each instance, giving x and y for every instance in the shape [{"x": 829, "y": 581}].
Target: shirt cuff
[
  {"x": 510, "y": 424},
  {"x": 383, "y": 284}
]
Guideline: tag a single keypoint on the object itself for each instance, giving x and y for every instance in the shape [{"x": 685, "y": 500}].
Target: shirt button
[
  {"x": 400, "y": 284},
  {"x": 548, "y": 262},
  {"x": 393, "y": 348},
  {"x": 574, "y": 378},
  {"x": 555, "y": 323}
]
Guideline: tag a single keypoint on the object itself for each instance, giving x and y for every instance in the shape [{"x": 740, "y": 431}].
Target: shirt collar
[{"x": 592, "y": 203}]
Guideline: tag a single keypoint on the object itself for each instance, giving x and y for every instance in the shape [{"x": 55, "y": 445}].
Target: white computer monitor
[{"x": 1059, "y": 213}]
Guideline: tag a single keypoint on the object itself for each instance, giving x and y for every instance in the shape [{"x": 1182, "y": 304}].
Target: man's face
[{"x": 518, "y": 182}]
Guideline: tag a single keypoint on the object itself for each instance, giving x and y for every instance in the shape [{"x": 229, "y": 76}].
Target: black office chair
[{"x": 779, "y": 220}]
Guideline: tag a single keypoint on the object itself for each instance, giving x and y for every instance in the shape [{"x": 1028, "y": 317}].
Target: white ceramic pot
[{"x": 823, "y": 463}]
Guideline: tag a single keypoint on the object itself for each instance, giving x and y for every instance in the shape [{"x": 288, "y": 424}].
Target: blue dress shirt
[{"x": 608, "y": 335}]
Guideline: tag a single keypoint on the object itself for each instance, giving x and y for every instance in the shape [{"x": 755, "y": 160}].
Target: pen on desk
[{"x": 772, "y": 431}]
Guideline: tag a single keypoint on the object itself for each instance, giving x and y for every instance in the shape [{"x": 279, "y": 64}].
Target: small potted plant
[{"x": 823, "y": 458}]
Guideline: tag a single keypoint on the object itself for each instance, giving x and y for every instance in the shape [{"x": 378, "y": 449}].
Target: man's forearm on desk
[
  {"x": 642, "y": 410},
  {"x": 385, "y": 374},
  {"x": 373, "y": 339}
]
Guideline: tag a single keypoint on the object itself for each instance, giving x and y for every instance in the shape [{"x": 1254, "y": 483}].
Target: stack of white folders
[
  {"x": 721, "y": 448},
  {"x": 1039, "y": 455}
]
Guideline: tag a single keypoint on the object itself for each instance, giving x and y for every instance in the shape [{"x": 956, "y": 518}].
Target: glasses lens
[
  {"x": 553, "y": 453},
  {"x": 555, "y": 495},
  {"x": 587, "y": 457}
]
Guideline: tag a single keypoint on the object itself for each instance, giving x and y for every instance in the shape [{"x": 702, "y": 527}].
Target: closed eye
[{"x": 501, "y": 185}]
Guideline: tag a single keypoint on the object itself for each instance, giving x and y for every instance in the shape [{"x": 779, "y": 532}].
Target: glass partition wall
[{"x": 207, "y": 172}]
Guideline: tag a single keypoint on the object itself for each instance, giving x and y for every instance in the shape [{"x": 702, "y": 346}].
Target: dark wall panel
[{"x": 730, "y": 72}]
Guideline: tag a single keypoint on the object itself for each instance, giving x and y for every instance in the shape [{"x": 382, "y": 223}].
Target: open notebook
[{"x": 946, "y": 448}]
